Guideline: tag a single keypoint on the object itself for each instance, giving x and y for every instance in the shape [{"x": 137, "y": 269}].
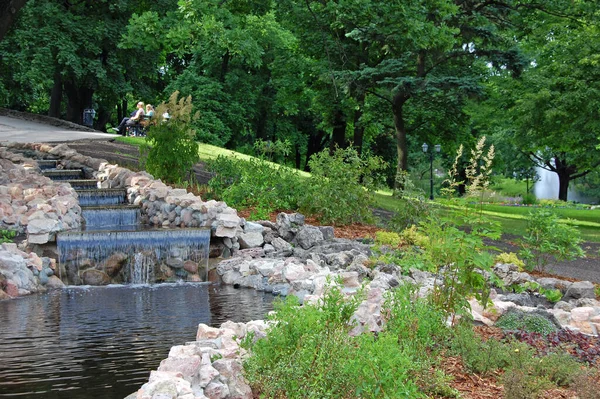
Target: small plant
[
  {"x": 551, "y": 295},
  {"x": 388, "y": 238},
  {"x": 510, "y": 258},
  {"x": 530, "y": 322},
  {"x": 272, "y": 149},
  {"x": 7, "y": 236},
  {"x": 412, "y": 236},
  {"x": 481, "y": 357},
  {"x": 545, "y": 238}
]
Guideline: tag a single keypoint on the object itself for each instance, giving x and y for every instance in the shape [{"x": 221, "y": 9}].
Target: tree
[
  {"x": 556, "y": 110},
  {"x": 8, "y": 14}
]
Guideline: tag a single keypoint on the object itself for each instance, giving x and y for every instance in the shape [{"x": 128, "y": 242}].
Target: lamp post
[{"x": 438, "y": 148}]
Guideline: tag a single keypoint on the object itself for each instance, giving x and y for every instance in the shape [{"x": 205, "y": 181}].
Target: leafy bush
[
  {"x": 412, "y": 236},
  {"x": 459, "y": 258},
  {"x": 388, "y": 238},
  {"x": 340, "y": 189},
  {"x": 546, "y": 237},
  {"x": 551, "y": 295},
  {"x": 172, "y": 151},
  {"x": 481, "y": 357},
  {"x": 309, "y": 354},
  {"x": 510, "y": 258},
  {"x": 529, "y": 199},
  {"x": 255, "y": 183}
]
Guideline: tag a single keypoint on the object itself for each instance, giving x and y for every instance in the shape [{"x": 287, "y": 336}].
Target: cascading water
[
  {"x": 546, "y": 187},
  {"x": 179, "y": 254},
  {"x": 111, "y": 218},
  {"x": 106, "y": 196},
  {"x": 142, "y": 269}
]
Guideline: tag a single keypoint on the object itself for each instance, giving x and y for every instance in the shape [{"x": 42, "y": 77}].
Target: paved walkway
[{"x": 22, "y": 131}]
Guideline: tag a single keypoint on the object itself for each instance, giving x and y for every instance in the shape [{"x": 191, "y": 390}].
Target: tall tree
[{"x": 8, "y": 14}]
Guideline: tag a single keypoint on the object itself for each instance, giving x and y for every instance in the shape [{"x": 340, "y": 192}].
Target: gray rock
[
  {"x": 251, "y": 239},
  {"x": 580, "y": 289},
  {"x": 328, "y": 232},
  {"x": 308, "y": 236},
  {"x": 251, "y": 227},
  {"x": 550, "y": 283},
  {"x": 562, "y": 305}
]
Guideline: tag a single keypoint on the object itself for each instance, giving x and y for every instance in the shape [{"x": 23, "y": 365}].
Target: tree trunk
[
  {"x": 102, "y": 118},
  {"x": 78, "y": 99},
  {"x": 224, "y": 66},
  {"x": 338, "y": 136},
  {"x": 563, "y": 186},
  {"x": 401, "y": 146},
  {"x": 359, "y": 129},
  {"x": 316, "y": 143},
  {"x": 565, "y": 172},
  {"x": 56, "y": 95},
  {"x": 8, "y": 14}
]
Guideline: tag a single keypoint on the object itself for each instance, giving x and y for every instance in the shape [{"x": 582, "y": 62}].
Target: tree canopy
[{"x": 381, "y": 76}]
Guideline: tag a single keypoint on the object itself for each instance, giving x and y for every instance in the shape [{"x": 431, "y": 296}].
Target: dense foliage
[{"x": 377, "y": 76}]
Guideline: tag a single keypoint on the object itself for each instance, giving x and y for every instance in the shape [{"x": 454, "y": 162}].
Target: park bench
[{"x": 140, "y": 129}]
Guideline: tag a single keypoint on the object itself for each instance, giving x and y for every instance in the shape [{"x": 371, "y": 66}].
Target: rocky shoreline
[{"x": 287, "y": 257}]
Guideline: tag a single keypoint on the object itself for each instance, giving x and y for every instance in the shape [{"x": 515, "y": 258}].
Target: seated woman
[
  {"x": 135, "y": 117},
  {"x": 145, "y": 122}
]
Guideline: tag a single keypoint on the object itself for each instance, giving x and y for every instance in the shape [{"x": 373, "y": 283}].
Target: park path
[{"x": 25, "y": 131}]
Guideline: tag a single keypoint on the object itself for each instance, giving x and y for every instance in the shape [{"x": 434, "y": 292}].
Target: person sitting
[
  {"x": 149, "y": 114},
  {"x": 149, "y": 111},
  {"x": 135, "y": 117}
]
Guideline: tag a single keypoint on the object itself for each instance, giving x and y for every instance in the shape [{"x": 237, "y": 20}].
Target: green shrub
[
  {"x": 459, "y": 258},
  {"x": 481, "y": 357},
  {"x": 308, "y": 354},
  {"x": 412, "y": 236},
  {"x": 510, "y": 258},
  {"x": 255, "y": 183},
  {"x": 172, "y": 151},
  {"x": 551, "y": 295},
  {"x": 388, "y": 238},
  {"x": 340, "y": 189},
  {"x": 529, "y": 199},
  {"x": 546, "y": 237},
  {"x": 526, "y": 321}
]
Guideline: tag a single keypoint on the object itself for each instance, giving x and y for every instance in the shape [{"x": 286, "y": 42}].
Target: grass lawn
[{"x": 512, "y": 218}]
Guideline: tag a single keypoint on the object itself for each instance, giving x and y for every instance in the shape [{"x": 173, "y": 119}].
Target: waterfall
[
  {"x": 111, "y": 218},
  {"x": 152, "y": 255},
  {"x": 142, "y": 269}
]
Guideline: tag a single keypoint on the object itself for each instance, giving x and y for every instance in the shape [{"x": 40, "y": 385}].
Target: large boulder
[
  {"x": 309, "y": 236},
  {"x": 95, "y": 277},
  {"x": 580, "y": 289}
]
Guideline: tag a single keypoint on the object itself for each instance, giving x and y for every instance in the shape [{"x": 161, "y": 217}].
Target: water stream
[{"x": 102, "y": 342}]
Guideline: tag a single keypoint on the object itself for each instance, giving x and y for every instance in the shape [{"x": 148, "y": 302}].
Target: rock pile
[
  {"x": 33, "y": 204},
  {"x": 24, "y": 273}
]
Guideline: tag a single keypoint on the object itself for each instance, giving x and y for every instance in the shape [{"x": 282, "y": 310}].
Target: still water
[{"x": 102, "y": 342}]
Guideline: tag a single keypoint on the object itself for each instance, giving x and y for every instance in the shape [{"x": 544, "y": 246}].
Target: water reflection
[{"x": 101, "y": 342}]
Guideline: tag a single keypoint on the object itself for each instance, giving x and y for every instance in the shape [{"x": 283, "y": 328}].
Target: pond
[{"x": 102, "y": 342}]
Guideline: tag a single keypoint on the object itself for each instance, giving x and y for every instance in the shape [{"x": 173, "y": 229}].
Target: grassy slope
[{"x": 511, "y": 218}]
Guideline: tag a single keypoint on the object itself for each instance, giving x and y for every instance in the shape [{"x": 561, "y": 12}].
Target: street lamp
[{"x": 438, "y": 148}]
